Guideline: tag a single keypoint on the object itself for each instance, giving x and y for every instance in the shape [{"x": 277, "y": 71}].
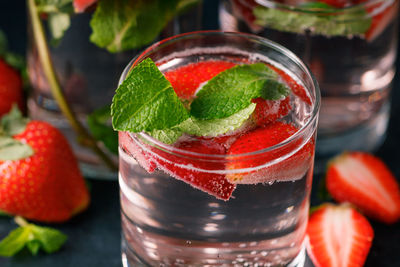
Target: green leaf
[
  {"x": 50, "y": 239},
  {"x": 12, "y": 149},
  {"x": 232, "y": 90},
  {"x": 34, "y": 238},
  {"x": 119, "y": 25},
  {"x": 209, "y": 128},
  {"x": 54, "y": 6},
  {"x": 13, "y": 123},
  {"x": 319, "y": 18},
  {"x": 146, "y": 101},
  {"x": 14, "y": 242},
  {"x": 58, "y": 23},
  {"x": 3, "y": 43},
  {"x": 99, "y": 123}
]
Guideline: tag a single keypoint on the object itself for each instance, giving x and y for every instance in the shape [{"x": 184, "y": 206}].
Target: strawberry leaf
[
  {"x": 13, "y": 123},
  {"x": 34, "y": 238},
  {"x": 12, "y": 149},
  {"x": 146, "y": 101},
  {"x": 233, "y": 89}
]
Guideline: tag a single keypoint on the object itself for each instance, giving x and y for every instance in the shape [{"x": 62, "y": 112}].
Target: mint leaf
[
  {"x": 12, "y": 149},
  {"x": 233, "y": 89},
  {"x": 120, "y": 25},
  {"x": 33, "y": 237},
  {"x": 209, "y": 128},
  {"x": 99, "y": 123},
  {"x": 146, "y": 101},
  {"x": 329, "y": 21},
  {"x": 167, "y": 136}
]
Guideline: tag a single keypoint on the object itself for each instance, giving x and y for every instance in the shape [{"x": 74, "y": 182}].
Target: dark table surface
[{"x": 94, "y": 237}]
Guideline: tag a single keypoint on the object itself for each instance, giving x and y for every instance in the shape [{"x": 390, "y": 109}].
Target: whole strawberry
[
  {"x": 10, "y": 88},
  {"x": 39, "y": 175}
]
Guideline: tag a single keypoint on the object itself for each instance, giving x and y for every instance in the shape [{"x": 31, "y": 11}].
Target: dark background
[{"x": 94, "y": 237}]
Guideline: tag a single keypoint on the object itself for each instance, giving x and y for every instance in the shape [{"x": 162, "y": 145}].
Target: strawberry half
[
  {"x": 382, "y": 19},
  {"x": 366, "y": 182},
  {"x": 270, "y": 110},
  {"x": 181, "y": 167},
  {"x": 45, "y": 184},
  {"x": 187, "y": 79},
  {"x": 82, "y": 5},
  {"x": 10, "y": 88},
  {"x": 291, "y": 168},
  {"x": 338, "y": 236}
]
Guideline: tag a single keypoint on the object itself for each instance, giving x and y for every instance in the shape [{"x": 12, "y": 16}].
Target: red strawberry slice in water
[
  {"x": 187, "y": 79},
  {"x": 291, "y": 168},
  {"x": 365, "y": 181},
  {"x": 382, "y": 18},
  {"x": 338, "y": 236},
  {"x": 296, "y": 88},
  {"x": 182, "y": 167},
  {"x": 269, "y": 110},
  {"x": 82, "y": 5}
]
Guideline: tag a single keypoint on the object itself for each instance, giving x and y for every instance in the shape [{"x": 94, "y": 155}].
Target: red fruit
[
  {"x": 382, "y": 19},
  {"x": 10, "y": 88},
  {"x": 291, "y": 168},
  {"x": 46, "y": 186},
  {"x": 244, "y": 10},
  {"x": 132, "y": 148},
  {"x": 181, "y": 167},
  {"x": 366, "y": 182},
  {"x": 338, "y": 236},
  {"x": 82, "y": 5},
  {"x": 296, "y": 88},
  {"x": 270, "y": 110},
  {"x": 187, "y": 79}
]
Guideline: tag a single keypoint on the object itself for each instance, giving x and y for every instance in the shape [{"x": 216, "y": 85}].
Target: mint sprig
[
  {"x": 233, "y": 89},
  {"x": 32, "y": 237},
  {"x": 146, "y": 101},
  {"x": 208, "y": 128},
  {"x": 316, "y": 17}
]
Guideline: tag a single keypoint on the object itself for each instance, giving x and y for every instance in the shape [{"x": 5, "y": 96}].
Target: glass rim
[
  {"x": 289, "y": 7},
  {"x": 271, "y": 44}
]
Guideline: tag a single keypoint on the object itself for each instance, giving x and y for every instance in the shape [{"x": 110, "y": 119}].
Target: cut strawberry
[
  {"x": 270, "y": 110},
  {"x": 365, "y": 181},
  {"x": 187, "y": 79},
  {"x": 182, "y": 167},
  {"x": 82, "y": 5},
  {"x": 296, "y": 88},
  {"x": 291, "y": 168},
  {"x": 338, "y": 236},
  {"x": 382, "y": 19},
  {"x": 10, "y": 88},
  {"x": 131, "y": 147}
]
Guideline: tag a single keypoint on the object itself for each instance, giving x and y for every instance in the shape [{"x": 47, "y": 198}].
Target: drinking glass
[
  {"x": 88, "y": 75},
  {"x": 167, "y": 222},
  {"x": 351, "y": 51}
]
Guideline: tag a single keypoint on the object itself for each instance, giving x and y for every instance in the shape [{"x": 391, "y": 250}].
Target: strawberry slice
[
  {"x": 131, "y": 147},
  {"x": 269, "y": 110},
  {"x": 187, "y": 79},
  {"x": 182, "y": 167},
  {"x": 338, "y": 236},
  {"x": 365, "y": 181},
  {"x": 382, "y": 19},
  {"x": 82, "y": 5},
  {"x": 292, "y": 168},
  {"x": 296, "y": 88}
]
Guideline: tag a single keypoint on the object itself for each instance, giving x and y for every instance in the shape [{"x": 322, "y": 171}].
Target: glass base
[
  {"x": 366, "y": 137},
  {"x": 131, "y": 259}
]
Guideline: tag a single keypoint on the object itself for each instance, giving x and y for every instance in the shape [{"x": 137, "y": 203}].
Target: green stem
[
  {"x": 20, "y": 221},
  {"x": 48, "y": 68}
]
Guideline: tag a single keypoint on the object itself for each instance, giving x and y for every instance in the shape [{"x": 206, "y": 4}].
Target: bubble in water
[
  {"x": 264, "y": 253},
  {"x": 188, "y": 242}
]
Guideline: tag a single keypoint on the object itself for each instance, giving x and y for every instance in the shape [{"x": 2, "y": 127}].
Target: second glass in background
[{"x": 351, "y": 50}]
